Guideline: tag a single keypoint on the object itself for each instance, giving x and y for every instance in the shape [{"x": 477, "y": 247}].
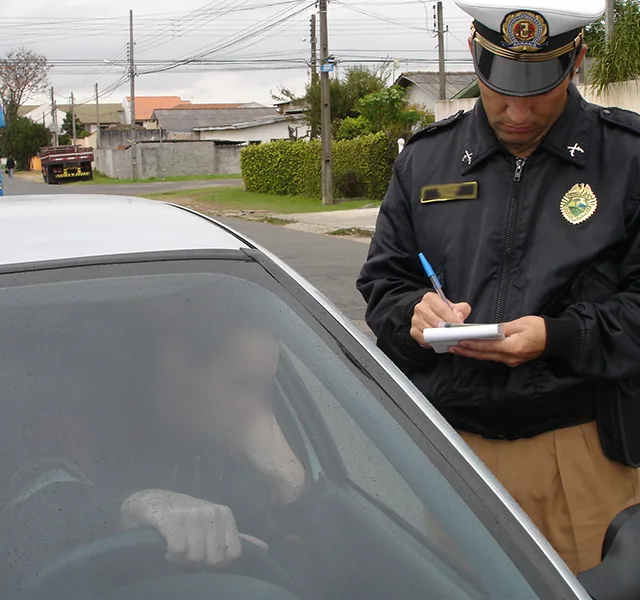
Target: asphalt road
[
  {"x": 19, "y": 186},
  {"x": 331, "y": 264}
]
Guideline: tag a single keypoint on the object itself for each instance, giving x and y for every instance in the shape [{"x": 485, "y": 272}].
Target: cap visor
[{"x": 516, "y": 78}]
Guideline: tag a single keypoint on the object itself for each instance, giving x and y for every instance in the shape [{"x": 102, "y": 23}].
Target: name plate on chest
[{"x": 445, "y": 192}]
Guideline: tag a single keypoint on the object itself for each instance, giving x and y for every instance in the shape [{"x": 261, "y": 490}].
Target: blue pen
[{"x": 431, "y": 274}]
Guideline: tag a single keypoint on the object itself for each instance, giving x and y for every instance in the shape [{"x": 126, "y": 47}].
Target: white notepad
[{"x": 451, "y": 334}]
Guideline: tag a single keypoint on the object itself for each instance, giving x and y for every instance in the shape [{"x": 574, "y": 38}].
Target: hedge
[{"x": 361, "y": 167}]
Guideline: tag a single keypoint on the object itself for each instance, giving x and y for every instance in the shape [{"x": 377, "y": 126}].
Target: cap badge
[
  {"x": 525, "y": 31},
  {"x": 578, "y": 204}
]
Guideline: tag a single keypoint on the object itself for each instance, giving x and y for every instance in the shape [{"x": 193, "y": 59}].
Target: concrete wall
[
  {"x": 167, "y": 159},
  {"x": 89, "y": 141},
  {"x": 111, "y": 139},
  {"x": 261, "y": 133},
  {"x": 446, "y": 108},
  {"x": 625, "y": 94},
  {"x": 113, "y": 163}
]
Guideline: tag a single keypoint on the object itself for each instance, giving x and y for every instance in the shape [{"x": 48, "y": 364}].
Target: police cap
[{"x": 526, "y": 49}]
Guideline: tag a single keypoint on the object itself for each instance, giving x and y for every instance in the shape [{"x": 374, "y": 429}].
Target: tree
[
  {"x": 353, "y": 127},
  {"x": 619, "y": 59},
  {"x": 66, "y": 130},
  {"x": 345, "y": 92},
  {"x": 23, "y": 138},
  {"x": 23, "y": 73},
  {"x": 385, "y": 111}
]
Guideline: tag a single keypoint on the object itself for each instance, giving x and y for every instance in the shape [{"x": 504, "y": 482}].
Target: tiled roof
[
  {"x": 145, "y": 105},
  {"x": 205, "y": 106}
]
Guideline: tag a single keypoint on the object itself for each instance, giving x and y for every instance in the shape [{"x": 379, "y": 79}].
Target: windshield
[{"x": 194, "y": 429}]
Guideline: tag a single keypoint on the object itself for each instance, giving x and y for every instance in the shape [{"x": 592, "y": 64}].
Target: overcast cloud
[{"x": 267, "y": 44}]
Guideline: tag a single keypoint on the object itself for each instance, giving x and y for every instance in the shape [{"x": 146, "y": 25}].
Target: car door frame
[{"x": 501, "y": 515}]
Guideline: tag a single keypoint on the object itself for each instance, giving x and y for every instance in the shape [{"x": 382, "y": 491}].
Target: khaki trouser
[{"x": 566, "y": 485}]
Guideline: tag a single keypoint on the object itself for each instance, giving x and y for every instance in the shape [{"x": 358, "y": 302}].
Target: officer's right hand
[{"x": 431, "y": 311}]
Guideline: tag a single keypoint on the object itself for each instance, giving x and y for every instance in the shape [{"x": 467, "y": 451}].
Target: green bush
[{"x": 361, "y": 167}]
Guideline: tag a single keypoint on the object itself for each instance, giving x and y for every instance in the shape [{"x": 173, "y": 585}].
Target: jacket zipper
[{"x": 508, "y": 246}]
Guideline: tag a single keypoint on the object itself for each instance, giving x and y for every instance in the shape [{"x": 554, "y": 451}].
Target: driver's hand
[{"x": 196, "y": 531}]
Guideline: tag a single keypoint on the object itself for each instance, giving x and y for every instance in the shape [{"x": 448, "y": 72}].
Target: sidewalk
[
  {"x": 326, "y": 222},
  {"x": 35, "y": 176}
]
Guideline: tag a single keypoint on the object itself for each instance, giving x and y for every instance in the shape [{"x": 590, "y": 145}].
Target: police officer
[{"x": 528, "y": 208}]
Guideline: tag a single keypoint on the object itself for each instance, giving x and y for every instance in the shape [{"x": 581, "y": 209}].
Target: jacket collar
[
  {"x": 570, "y": 135},
  {"x": 479, "y": 140},
  {"x": 568, "y": 138}
]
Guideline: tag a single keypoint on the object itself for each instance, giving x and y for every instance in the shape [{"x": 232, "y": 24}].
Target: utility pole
[
  {"x": 325, "y": 107},
  {"x": 97, "y": 118},
  {"x": 73, "y": 118},
  {"x": 132, "y": 79},
  {"x": 441, "y": 71},
  {"x": 54, "y": 117},
  {"x": 314, "y": 50},
  {"x": 608, "y": 21},
  {"x": 314, "y": 67}
]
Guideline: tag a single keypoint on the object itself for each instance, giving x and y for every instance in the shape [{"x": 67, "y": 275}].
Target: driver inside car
[
  {"x": 232, "y": 449},
  {"x": 202, "y": 460}
]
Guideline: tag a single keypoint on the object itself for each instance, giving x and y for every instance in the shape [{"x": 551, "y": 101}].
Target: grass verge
[{"x": 235, "y": 198}]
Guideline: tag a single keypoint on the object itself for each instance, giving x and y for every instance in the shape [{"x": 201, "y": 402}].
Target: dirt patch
[{"x": 352, "y": 232}]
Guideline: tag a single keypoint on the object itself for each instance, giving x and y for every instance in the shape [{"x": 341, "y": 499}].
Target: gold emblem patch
[
  {"x": 524, "y": 31},
  {"x": 578, "y": 204}
]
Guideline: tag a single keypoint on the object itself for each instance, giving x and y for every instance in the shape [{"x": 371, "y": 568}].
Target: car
[{"x": 140, "y": 338}]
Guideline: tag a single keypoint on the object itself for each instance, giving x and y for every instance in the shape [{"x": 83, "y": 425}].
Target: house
[
  {"x": 257, "y": 131},
  {"x": 292, "y": 107},
  {"x": 110, "y": 114},
  {"x": 423, "y": 87},
  {"x": 42, "y": 114},
  {"x": 25, "y": 109},
  {"x": 145, "y": 105},
  {"x": 241, "y": 124}
]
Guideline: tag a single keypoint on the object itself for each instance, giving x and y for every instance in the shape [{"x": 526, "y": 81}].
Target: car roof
[{"x": 54, "y": 227}]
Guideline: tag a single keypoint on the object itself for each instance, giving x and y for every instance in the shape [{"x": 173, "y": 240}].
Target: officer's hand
[
  {"x": 431, "y": 311},
  {"x": 526, "y": 340}
]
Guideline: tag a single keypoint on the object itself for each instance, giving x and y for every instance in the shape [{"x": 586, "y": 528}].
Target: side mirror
[{"x": 617, "y": 577}]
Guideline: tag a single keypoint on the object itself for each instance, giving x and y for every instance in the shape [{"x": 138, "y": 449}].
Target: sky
[{"x": 222, "y": 50}]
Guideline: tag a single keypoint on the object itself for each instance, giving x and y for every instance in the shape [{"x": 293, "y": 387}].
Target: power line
[{"x": 209, "y": 50}]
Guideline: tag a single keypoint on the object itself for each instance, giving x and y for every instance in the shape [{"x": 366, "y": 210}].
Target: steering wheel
[{"x": 133, "y": 555}]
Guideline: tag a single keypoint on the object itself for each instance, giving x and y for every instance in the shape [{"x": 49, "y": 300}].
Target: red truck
[{"x": 66, "y": 163}]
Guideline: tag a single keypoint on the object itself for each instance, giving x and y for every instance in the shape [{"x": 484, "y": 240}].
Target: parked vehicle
[
  {"x": 94, "y": 289},
  {"x": 61, "y": 164}
]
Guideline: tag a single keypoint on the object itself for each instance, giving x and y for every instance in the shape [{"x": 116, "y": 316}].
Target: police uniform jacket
[{"x": 556, "y": 235}]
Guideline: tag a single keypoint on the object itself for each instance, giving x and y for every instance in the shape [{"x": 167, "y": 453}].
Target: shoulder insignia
[
  {"x": 437, "y": 126},
  {"x": 625, "y": 119}
]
